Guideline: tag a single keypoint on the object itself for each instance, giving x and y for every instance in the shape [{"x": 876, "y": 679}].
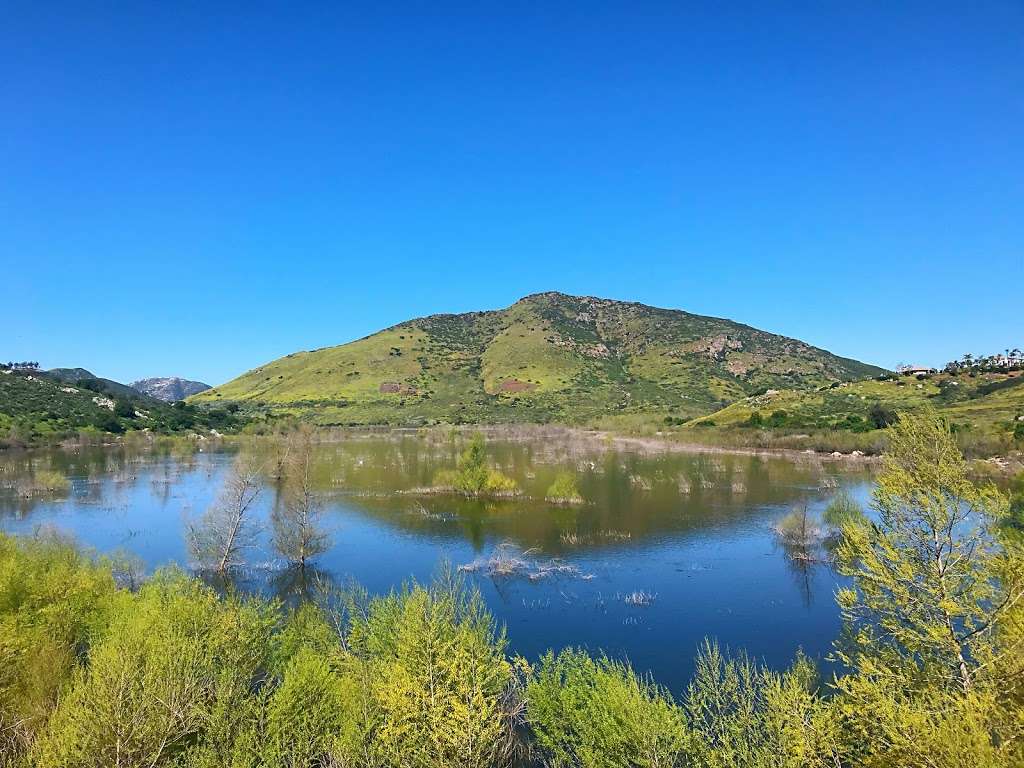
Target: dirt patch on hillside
[
  {"x": 395, "y": 388},
  {"x": 515, "y": 385}
]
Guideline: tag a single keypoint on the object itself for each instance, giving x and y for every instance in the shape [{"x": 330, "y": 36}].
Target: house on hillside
[{"x": 914, "y": 370}]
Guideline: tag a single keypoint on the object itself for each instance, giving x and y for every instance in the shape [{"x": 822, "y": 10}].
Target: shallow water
[{"x": 691, "y": 532}]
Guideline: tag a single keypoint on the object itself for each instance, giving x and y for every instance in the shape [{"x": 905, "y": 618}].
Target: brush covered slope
[
  {"x": 35, "y": 408},
  {"x": 549, "y": 357},
  {"x": 81, "y": 377},
  {"x": 987, "y": 401}
]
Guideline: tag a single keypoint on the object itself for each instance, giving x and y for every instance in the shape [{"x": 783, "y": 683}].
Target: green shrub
[
  {"x": 564, "y": 490},
  {"x": 53, "y": 602},
  {"x": 473, "y": 477},
  {"x": 439, "y": 684},
  {"x": 308, "y": 713},
  {"x": 843, "y": 510},
  {"x": 598, "y": 713},
  {"x": 744, "y": 715},
  {"x": 173, "y": 663}
]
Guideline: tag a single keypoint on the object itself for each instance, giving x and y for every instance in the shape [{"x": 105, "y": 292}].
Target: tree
[
  {"x": 931, "y": 580},
  {"x": 880, "y": 416},
  {"x": 125, "y": 409},
  {"x": 219, "y": 540},
  {"x": 799, "y": 533},
  {"x": 473, "y": 477},
  {"x": 298, "y": 530}
]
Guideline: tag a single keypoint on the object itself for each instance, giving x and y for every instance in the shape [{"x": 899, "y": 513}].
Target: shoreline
[{"x": 596, "y": 439}]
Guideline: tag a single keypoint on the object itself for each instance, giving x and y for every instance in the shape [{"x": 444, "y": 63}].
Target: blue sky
[{"x": 194, "y": 189}]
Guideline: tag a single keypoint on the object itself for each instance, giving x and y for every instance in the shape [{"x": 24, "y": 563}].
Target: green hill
[
  {"x": 37, "y": 406},
  {"x": 988, "y": 401},
  {"x": 80, "y": 377},
  {"x": 548, "y": 357}
]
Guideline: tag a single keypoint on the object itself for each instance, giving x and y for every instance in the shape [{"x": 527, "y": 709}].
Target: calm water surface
[{"x": 693, "y": 532}]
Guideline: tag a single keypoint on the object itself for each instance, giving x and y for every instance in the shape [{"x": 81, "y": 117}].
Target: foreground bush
[
  {"x": 745, "y": 715},
  {"x": 597, "y": 713},
  {"x": 53, "y": 601},
  {"x": 171, "y": 674},
  {"x": 97, "y": 676},
  {"x": 93, "y": 675}
]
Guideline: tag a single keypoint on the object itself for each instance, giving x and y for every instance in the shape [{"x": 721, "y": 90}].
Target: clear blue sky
[{"x": 196, "y": 188}]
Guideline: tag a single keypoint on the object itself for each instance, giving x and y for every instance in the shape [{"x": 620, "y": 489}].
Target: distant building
[{"x": 914, "y": 370}]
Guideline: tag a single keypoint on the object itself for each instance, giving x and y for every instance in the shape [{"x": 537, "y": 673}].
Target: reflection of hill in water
[{"x": 633, "y": 496}]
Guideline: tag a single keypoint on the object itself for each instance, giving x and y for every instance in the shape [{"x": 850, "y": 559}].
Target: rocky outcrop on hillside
[{"x": 169, "y": 389}]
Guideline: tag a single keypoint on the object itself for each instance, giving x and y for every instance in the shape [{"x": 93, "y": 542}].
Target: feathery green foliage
[
  {"x": 933, "y": 625},
  {"x": 598, "y": 713},
  {"x": 925, "y": 592},
  {"x": 743, "y": 715},
  {"x": 172, "y": 663},
  {"x": 53, "y": 601}
]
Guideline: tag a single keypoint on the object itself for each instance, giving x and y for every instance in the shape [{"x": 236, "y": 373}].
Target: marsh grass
[
  {"x": 507, "y": 562},
  {"x": 576, "y": 539},
  {"x": 640, "y": 598}
]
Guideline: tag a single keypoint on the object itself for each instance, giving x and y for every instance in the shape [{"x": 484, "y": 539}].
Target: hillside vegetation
[
  {"x": 548, "y": 357},
  {"x": 35, "y": 408},
  {"x": 987, "y": 404}
]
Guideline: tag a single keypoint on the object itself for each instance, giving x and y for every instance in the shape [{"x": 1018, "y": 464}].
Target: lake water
[{"x": 691, "y": 532}]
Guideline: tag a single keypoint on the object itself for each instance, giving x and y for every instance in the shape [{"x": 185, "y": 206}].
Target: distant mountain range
[
  {"x": 169, "y": 389},
  {"x": 548, "y": 357}
]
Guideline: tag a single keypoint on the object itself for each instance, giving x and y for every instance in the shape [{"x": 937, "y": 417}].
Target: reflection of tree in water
[
  {"x": 801, "y": 536},
  {"x": 802, "y": 571},
  {"x": 295, "y": 585},
  {"x": 224, "y": 582},
  {"x": 471, "y": 519}
]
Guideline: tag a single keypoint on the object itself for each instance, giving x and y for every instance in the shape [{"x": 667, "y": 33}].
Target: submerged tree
[
  {"x": 299, "y": 534},
  {"x": 800, "y": 534},
  {"x": 219, "y": 539}
]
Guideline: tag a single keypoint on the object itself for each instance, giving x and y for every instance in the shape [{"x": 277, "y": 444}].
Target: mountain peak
[
  {"x": 551, "y": 356},
  {"x": 169, "y": 388}
]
